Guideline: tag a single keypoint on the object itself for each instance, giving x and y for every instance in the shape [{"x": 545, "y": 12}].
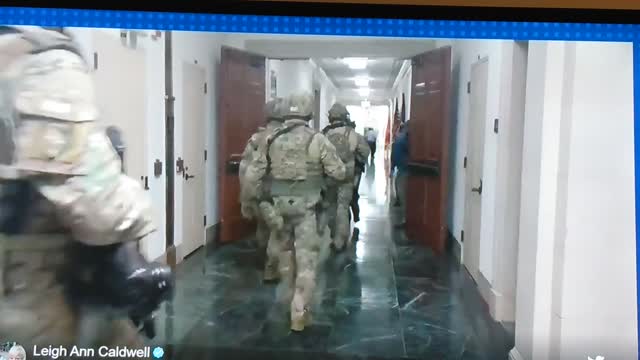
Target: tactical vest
[
  {"x": 291, "y": 170},
  {"x": 338, "y": 134},
  {"x": 15, "y": 47},
  {"x": 17, "y": 195}
]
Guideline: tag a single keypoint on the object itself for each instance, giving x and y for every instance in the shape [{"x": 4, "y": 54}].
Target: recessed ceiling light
[
  {"x": 364, "y": 91},
  {"x": 362, "y": 81},
  {"x": 356, "y": 63}
]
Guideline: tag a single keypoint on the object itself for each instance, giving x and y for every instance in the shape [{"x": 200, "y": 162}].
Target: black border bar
[{"x": 426, "y": 12}]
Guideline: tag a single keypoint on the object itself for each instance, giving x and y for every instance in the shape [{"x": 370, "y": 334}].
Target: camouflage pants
[
  {"x": 339, "y": 198},
  {"x": 297, "y": 247},
  {"x": 34, "y": 309},
  {"x": 262, "y": 234}
]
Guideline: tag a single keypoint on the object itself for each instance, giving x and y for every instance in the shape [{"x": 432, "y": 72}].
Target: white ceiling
[
  {"x": 386, "y": 56},
  {"x": 382, "y": 73}
]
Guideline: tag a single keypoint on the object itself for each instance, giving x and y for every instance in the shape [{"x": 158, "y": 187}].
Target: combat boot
[
  {"x": 299, "y": 323},
  {"x": 271, "y": 273}
]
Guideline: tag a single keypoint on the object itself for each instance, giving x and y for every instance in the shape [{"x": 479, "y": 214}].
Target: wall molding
[
  {"x": 406, "y": 66},
  {"x": 514, "y": 354},
  {"x": 454, "y": 247},
  {"x": 489, "y": 294},
  {"x": 174, "y": 255},
  {"x": 212, "y": 233}
]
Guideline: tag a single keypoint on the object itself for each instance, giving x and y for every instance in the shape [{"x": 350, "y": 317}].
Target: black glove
[
  {"x": 134, "y": 283},
  {"x": 118, "y": 277}
]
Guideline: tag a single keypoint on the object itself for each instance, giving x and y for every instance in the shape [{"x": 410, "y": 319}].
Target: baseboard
[
  {"x": 514, "y": 354},
  {"x": 175, "y": 254},
  {"x": 489, "y": 295},
  {"x": 169, "y": 257},
  {"x": 212, "y": 234},
  {"x": 453, "y": 247}
]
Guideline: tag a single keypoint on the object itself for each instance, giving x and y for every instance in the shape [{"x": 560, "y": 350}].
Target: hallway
[{"x": 385, "y": 299}]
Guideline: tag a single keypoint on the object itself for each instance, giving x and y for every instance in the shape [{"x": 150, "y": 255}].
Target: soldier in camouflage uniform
[
  {"x": 263, "y": 211},
  {"x": 295, "y": 161},
  {"x": 360, "y": 162},
  {"x": 62, "y": 193},
  {"x": 340, "y": 193}
]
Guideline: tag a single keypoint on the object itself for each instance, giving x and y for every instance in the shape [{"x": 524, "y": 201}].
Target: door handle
[
  {"x": 187, "y": 176},
  {"x": 233, "y": 166},
  {"x": 478, "y": 189},
  {"x": 145, "y": 180}
]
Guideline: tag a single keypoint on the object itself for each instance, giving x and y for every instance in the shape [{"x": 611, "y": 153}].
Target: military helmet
[
  {"x": 299, "y": 106},
  {"x": 274, "y": 109},
  {"x": 338, "y": 112}
]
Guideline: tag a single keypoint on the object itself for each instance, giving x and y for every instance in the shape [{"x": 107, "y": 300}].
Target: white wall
[
  {"x": 153, "y": 247},
  {"x": 464, "y": 54},
  {"x": 598, "y": 255},
  {"x": 293, "y": 76},
  {"x": 576, "y": 266},
  {"x": 403, "y": 85},
  {"x": 508, "y": 180},
  {"x": 187, "y": 47},
  {"x": 328, "y": 93},
  {"x": 300, "y": 75}
]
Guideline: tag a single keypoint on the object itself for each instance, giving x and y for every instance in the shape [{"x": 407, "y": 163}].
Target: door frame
[
  {"x": 471, "y": 250},
  {"x": 509, "y": 178},
  {"x": 185, "y": 251},
  {"x": 169, "y": 134}
]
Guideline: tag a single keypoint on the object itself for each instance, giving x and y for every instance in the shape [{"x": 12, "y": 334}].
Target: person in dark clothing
[
  {"x": 372, "y": 137},
  {"x": 399, "y": 162}
]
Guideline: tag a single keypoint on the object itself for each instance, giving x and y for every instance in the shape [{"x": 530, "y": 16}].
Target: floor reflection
[{"x": 383, "y": 299}]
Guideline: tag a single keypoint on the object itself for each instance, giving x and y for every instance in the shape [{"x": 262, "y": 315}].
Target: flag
[
  {"x": 396, "y": 120},
  {"x": 387, "y": 132}
]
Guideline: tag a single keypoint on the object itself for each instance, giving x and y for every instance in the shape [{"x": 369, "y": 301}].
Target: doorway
[
  {"x": 193, "y": 157},
  {"x": 474, "y": 163}
]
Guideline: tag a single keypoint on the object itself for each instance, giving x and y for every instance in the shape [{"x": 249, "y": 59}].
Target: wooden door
[
  {"x": 429, "y": 131},
  {"x": 193, "y": 150},
  {"x": 473, "y": 174},
  {"x": 241, "y": 107}
]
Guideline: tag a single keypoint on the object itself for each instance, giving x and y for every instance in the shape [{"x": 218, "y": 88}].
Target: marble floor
[{"x": 384, "y": 298}]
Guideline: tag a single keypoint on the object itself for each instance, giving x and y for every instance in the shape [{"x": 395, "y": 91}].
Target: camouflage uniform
[
  {"x": 262, "y": 211},
  {"x": 77, "y": 195},
  {"x": 340, "y": 193},
  {"x": 294, "y": 162},
  {"x": 360, "y": 162}
]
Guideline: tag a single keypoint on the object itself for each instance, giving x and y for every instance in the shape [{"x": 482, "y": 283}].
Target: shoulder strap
[
  {"x": 332, "y": 126},
  {"x": 42, "y": 41},
  {"x": 310, "y": 141},
  {"x": 276, "y": 134},
  {"x": 347, "y": 134}
]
